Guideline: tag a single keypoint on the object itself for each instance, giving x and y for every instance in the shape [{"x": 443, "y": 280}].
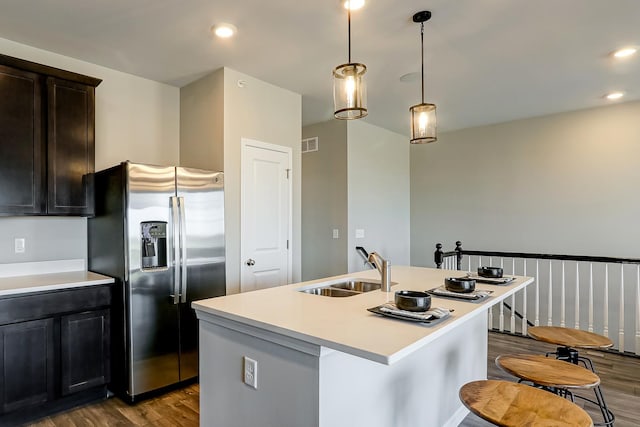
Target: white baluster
[
  {"x": 550, "y": 316},
  {"x": 577, "y": 305},
  {"x": 590, "y": 297},
  {"x": 524, "y": 300},
  {"x": 501, "y": 324},
  {"x": 491, "y": 317},
  {"x": 513, "y": 314},
  {"x": 605, "y": 330},
  {"x": 513, "y": 300},
  {"x": 562, "y": 298},
  {"x": 621, "y": 324},
  {"x": 537, "y": 293},
  {"x": 637, "y": 309}
]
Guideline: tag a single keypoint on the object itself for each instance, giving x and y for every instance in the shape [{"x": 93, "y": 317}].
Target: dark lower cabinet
[
  {"x": 84, "y": 350},
  {"x": 54, "y": 351},
  {"x": 27, "y": 364}
]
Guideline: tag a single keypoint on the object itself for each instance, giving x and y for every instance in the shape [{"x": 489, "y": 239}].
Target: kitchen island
[{"x": 324, "y": 361}]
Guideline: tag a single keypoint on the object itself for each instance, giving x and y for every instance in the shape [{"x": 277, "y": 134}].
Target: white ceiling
[{"x": 487, "y": 61}]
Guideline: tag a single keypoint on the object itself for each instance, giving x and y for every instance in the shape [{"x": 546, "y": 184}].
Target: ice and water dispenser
[{"x": 154, "y": 244}]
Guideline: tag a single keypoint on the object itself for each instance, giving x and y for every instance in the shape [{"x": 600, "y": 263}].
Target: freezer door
[
  {"x": 201, "y": 198},
  {"x": 152, "y": 335}
]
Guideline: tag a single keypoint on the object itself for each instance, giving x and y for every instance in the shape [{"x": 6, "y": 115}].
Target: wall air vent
[{"x": 310, "y": 144}]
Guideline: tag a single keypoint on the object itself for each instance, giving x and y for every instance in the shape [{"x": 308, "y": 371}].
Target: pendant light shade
[
  {"x": 423, "y": 123},
  {"x": 423, "y": 115},
  {"x": 349, "y": 87}
]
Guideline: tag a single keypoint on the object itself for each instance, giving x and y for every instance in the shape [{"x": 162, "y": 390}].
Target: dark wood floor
[{"x": 620, "y": 384}]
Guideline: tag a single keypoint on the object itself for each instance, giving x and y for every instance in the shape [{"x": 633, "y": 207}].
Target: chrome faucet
[{"x": 383, "y": 268}]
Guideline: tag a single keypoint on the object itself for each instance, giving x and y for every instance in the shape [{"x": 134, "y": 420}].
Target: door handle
[
  {"x": 175, "y": 234},
  {"x": 183, "y": 250},
  {"x": 250, "y": 262}
]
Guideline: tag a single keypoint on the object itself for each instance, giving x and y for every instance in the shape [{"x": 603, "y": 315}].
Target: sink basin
[
  {"x": 349, "y": 287},
  {"x": 357, "y": 286},
  {"x": 329, "y": 292}
]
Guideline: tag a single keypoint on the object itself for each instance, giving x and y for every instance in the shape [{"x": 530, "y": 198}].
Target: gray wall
[
  {"x": 378, "y": 180},
  {"x": 216, "y": 114},
  {"x": 136, "y": 119},
  {"x": 47, "y": 239},
  {"x": 324, "y": 201},
  {"x": 564, "y": 183}
]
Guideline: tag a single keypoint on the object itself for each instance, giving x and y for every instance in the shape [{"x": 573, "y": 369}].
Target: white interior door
[{"x": 266, "y": 215}]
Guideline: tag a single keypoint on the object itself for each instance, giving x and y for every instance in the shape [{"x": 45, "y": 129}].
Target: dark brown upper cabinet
[{"x": 47, "y": 140}]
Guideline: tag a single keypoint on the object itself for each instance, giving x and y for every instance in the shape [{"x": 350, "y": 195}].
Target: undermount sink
[
  {"x": 357, "y": 286},
  {"x": 349, "y": 287},
  {"x": 329, "y": 292}
]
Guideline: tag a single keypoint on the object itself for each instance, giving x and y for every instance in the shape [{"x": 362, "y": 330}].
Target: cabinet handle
[{"x": 250, "y": 262}]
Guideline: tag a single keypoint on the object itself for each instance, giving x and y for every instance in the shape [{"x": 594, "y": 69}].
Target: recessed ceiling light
[
  {"x": 625, "y": 52},
  {"x": 224, "y": 30},
  {"x": 612, "y": 96},
  {"x": 353, "y": 4}
]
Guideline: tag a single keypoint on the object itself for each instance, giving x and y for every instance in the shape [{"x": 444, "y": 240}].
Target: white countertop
[
  {"x": 344, "y": 324},
  {"x": 50, "y": 282}
]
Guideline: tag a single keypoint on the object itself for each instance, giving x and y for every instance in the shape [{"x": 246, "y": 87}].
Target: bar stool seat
[
  {"x": 569, "y": 337},
  {"x": 547, "y": 372},
  {"x": 511, "y": 404}
]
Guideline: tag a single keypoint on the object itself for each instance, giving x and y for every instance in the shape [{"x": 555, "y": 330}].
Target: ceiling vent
[{"x": 310, "y": 144}]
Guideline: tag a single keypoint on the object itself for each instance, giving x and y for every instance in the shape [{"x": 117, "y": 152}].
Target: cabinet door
[
  {"x": 84, "y": 350},
  {"x": 22, "y": 156},
  {"x": 27, "y": 364},
  {"x": 71, "y": 148}
]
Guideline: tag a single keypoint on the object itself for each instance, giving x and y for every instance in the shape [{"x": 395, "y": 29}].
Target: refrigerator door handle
[
  {"x": 183, "y": 250},
  {"x": 175, "y": 247}
]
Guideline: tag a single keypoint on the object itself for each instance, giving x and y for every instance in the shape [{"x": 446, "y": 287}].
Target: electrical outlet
[
  {"x": 336, "y": 233},
  {"x": 359, "y": 233},
  {"x": 19, "y": 245},
  {"x": 250, "y": 372}
]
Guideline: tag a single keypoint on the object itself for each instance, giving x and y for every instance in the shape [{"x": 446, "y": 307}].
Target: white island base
[
  {"x": 300, "y": 384},
  {"x": 328, "y": 362}
]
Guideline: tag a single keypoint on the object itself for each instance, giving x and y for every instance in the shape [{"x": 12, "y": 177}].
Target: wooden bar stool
[
  {"x": 509, "y": 404},
  {"x": 569, "y": 341},
  {"x": 556, "y": 376}
]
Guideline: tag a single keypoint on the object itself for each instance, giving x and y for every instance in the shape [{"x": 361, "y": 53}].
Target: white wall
[
  {"x": 564, "y": 183},
  {"x": 324, "y": 201},
  {"x": 136, "y": 119},
  {"x": 378, "y": 186}
]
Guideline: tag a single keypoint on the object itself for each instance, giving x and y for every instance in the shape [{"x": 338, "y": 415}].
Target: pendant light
[
  {"x": 349, "y": 87},
  {"x": 423, "y": 115}
]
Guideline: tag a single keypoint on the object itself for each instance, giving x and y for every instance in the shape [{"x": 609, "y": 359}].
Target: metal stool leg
[{"x": 571, "y": 355}]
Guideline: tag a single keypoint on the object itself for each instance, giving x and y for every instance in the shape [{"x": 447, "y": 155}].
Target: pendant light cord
[
  {"x": 349, "y": 31},
  {"x": 422, "y": 47}
]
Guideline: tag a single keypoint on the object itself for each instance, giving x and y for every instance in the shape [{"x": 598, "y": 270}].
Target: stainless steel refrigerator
[{"x": 160, "y": 232}]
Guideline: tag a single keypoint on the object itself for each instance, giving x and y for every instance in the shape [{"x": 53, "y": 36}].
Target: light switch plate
[
  {"x": 359, "y": 233},
  {"x": 19, "y": 245},
  {"x": 336, "y": 233}
]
